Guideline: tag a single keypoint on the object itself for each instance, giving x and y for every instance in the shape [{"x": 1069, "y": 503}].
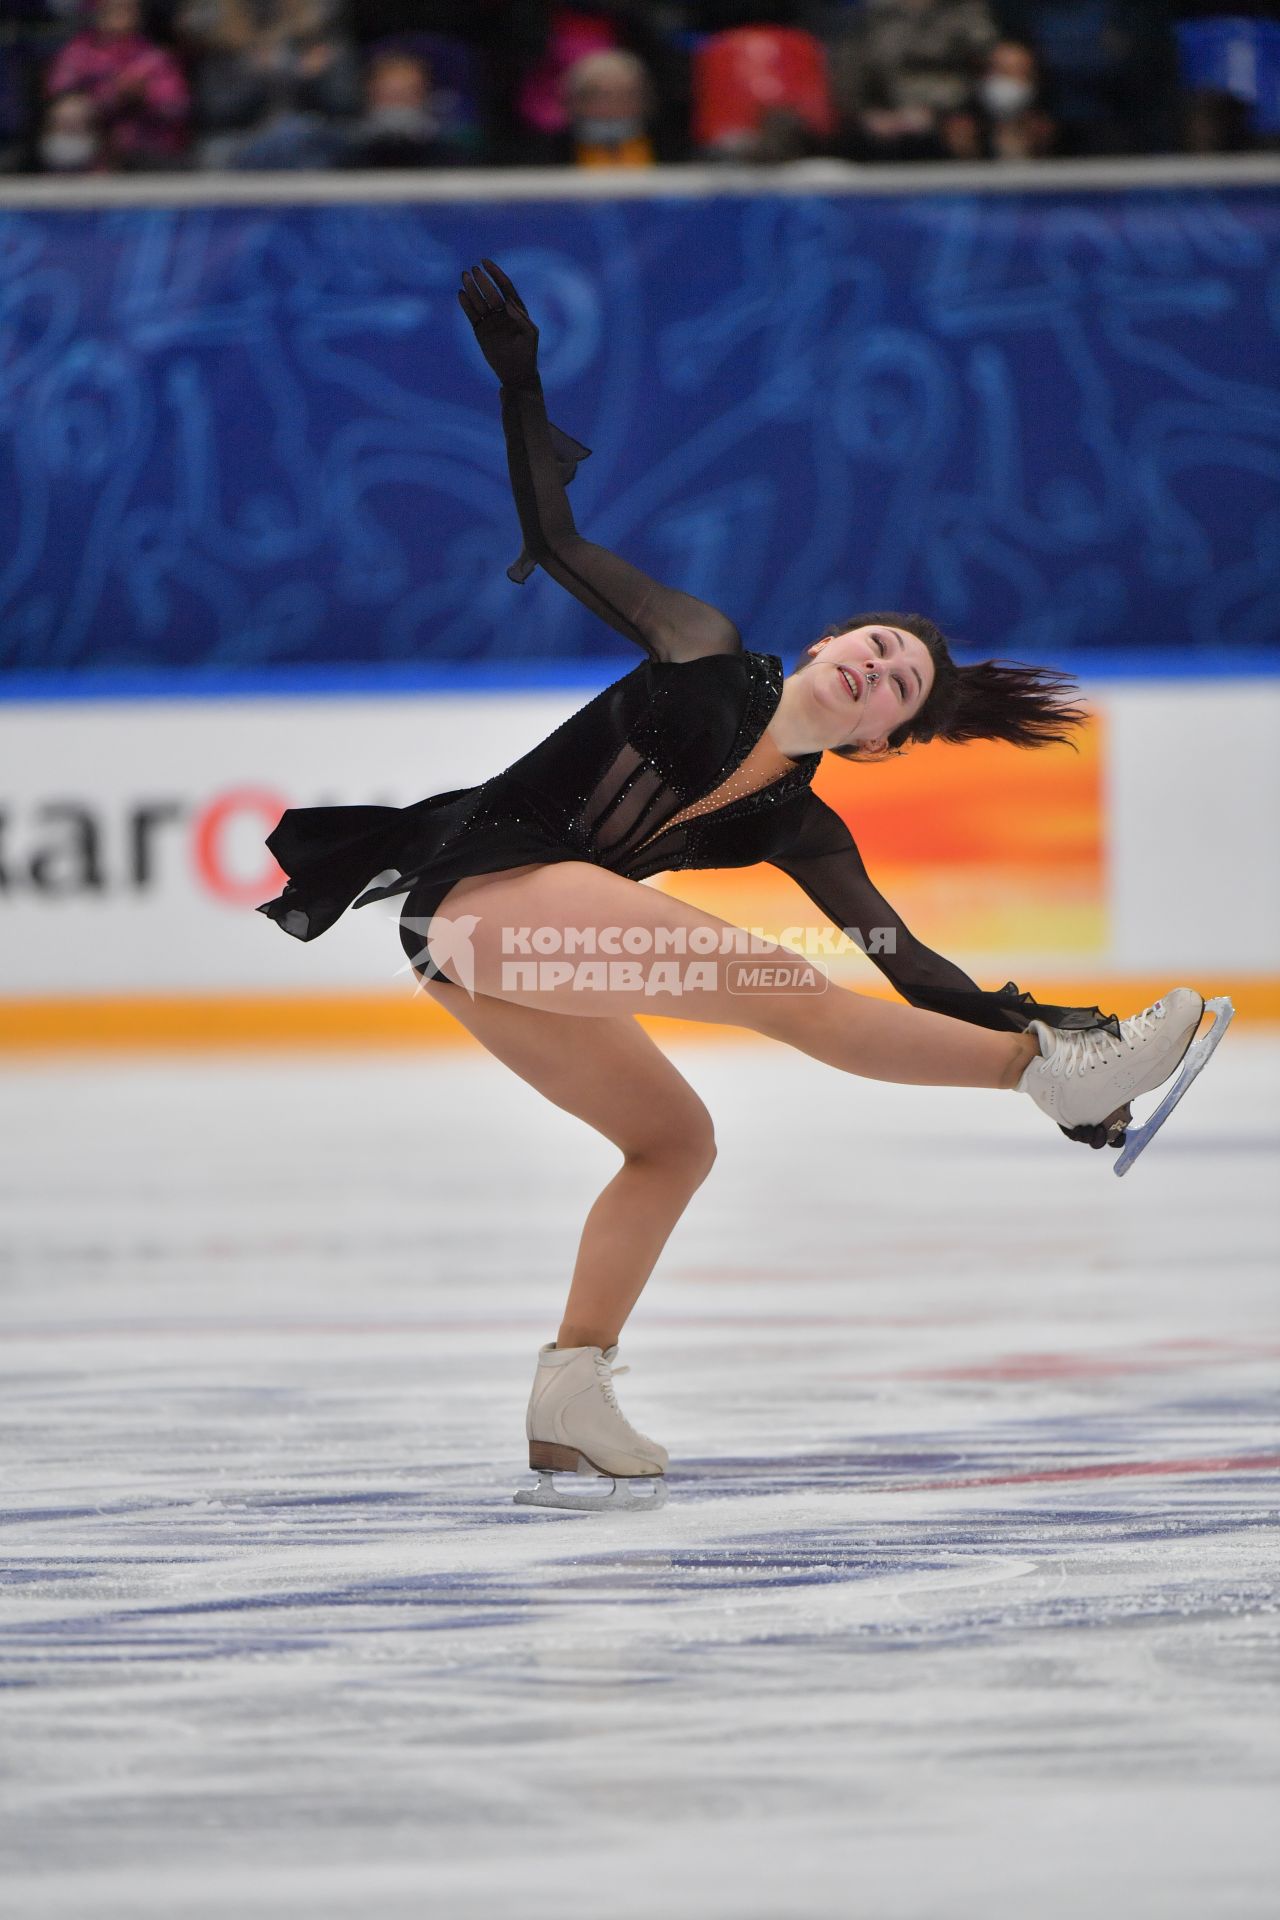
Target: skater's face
[{"x": 862, "y": 685}]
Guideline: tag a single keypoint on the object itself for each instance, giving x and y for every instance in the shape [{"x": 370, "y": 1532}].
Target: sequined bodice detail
[
  {"x": 763, "y": 765},
  {"x": 634, "y": 818}
]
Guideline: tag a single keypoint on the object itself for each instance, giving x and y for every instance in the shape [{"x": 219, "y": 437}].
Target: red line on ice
[
  {"x": 1088, "y": 1366},
  {"x": 1104, "y": 1470}
]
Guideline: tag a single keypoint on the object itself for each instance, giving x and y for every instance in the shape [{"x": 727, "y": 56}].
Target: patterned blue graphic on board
[{"x": 234, "y": 438}]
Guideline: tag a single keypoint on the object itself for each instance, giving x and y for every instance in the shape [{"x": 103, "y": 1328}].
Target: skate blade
[
  {"x": 1194, "y": 1061},
  {"x": 639, "y": 1494}
]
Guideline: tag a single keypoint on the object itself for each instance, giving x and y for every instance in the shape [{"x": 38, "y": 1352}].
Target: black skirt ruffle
[{"x": 332, "y": 854}]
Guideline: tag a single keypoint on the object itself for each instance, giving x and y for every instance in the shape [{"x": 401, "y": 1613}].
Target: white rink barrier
[
  {"x": 131, "y": 843},
  {"x": 131, "y": 836}
]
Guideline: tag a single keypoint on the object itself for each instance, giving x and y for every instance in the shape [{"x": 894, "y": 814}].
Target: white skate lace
[
  {"x": 605, "y": 1374},
  {"x": 1080, "y": 1052}
]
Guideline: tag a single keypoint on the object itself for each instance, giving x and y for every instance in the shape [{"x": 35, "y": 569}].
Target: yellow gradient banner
[{"x": 985, "y": 849}]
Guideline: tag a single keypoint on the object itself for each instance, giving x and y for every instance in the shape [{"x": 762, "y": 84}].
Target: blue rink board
[
  {"x": 248, "y": 440},
  {"x": 509, "y": 677}
]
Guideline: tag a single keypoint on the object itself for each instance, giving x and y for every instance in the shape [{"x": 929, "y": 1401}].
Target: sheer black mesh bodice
[{"x": 669, "y": 767}]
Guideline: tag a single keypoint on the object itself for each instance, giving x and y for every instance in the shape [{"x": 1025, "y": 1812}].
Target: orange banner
[{"x": 984, "y": 849}]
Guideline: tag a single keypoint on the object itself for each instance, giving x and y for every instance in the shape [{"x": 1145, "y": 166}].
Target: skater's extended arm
[
  {"x": 824, "y": 860},
  {"x": 668, "y": 624}
]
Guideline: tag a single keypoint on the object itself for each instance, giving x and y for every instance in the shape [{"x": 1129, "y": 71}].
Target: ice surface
[{"x": 963, "y": 1602}]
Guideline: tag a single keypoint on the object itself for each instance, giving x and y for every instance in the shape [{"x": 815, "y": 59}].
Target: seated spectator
[
  {"x": 902, "y": 70},
  {"x": 499, "y": 43},
  {"x": 609, "y": 101},
  {"x": 1008, "y": 121},
  {"x": 70, "y": 139},
  {"x": 541, "y": 113},
  {"x": 1109, "y": 70},
  {"x": 276, "y": 80},
  {"x": 458, "y": 86},
  {"x": 139, "y": 97},
  {"x": 398, "y": 127},
  {"x": 528, "y": 76}
]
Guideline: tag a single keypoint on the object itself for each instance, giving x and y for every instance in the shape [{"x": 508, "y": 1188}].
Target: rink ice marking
[
  {"x": 426, "y": 1503},
  {"x": 787, "y": 1517},
  {"x": 764, "y": 1589},
  {"x": 766, "y": 1602},
  {"x": 1108, "y": 1470},
  {"x": 1153, "y": 1356},
  {"x": 664, "y": 1591}
]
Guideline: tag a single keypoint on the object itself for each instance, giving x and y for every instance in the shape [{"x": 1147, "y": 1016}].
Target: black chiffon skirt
[{"x": 334, "y": 855}]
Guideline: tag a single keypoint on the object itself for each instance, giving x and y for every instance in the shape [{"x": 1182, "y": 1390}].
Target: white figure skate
[
  {"x": 576, "y": 1427},
  {"x": 1088, "y": 1079},
  {"x": 1194, "y": 1062}
]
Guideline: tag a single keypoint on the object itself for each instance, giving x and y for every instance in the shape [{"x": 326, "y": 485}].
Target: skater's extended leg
[
  {"x": 878, "y": 1040},
  {"x": 612, "y": 1075}
]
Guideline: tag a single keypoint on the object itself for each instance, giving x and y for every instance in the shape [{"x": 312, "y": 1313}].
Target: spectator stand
[{"x": 767, "y": 79}]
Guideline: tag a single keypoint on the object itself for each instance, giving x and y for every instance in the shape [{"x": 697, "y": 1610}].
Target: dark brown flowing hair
[{"x": 993, "y": 700}]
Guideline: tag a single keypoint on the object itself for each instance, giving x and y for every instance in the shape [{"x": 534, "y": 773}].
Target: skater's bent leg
[
  {"x": 625, "y": 1232},
  {"x": 612, "y": 1075},
  {"x": 876, "y": 1039}
]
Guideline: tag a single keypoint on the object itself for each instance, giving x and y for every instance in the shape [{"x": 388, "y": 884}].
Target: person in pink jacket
[{"x": 137, "y": 90}]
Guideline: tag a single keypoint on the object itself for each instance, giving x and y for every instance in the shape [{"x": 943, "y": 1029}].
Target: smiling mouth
[{"x": 852, "y": 681}]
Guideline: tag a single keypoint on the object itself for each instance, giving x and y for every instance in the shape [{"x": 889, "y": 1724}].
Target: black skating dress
[{"x": 607, "y": 786}]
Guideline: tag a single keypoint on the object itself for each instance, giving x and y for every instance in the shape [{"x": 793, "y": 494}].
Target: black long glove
[
  {"x": 509, "y": 342},
  {"x": 507, "y": 336}
]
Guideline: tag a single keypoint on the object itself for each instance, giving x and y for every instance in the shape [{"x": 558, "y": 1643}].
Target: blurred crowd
[{"x": 111, "y": 86}]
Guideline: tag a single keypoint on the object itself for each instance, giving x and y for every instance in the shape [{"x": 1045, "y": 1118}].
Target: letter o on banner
[{"x": 224, "y": 815}]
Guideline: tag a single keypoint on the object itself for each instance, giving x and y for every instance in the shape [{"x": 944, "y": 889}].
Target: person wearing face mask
[
  {"x": 398, "y": 127},
  {"x": 1011, "y": 123},
  {"x": 70, "y": 140},
  {"x": 609, "y": 101}
]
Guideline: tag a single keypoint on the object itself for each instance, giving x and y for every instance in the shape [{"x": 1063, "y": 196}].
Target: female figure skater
[{"x": 702, "y": 756}]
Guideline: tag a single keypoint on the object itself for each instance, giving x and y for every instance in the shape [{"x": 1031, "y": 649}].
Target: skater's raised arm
[
  {"x": 668, "y": 624},
  {"x": 824, "y": 860}
]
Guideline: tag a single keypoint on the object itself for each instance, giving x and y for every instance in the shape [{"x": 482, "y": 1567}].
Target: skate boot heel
[{"x": 545, "y": 1454}]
